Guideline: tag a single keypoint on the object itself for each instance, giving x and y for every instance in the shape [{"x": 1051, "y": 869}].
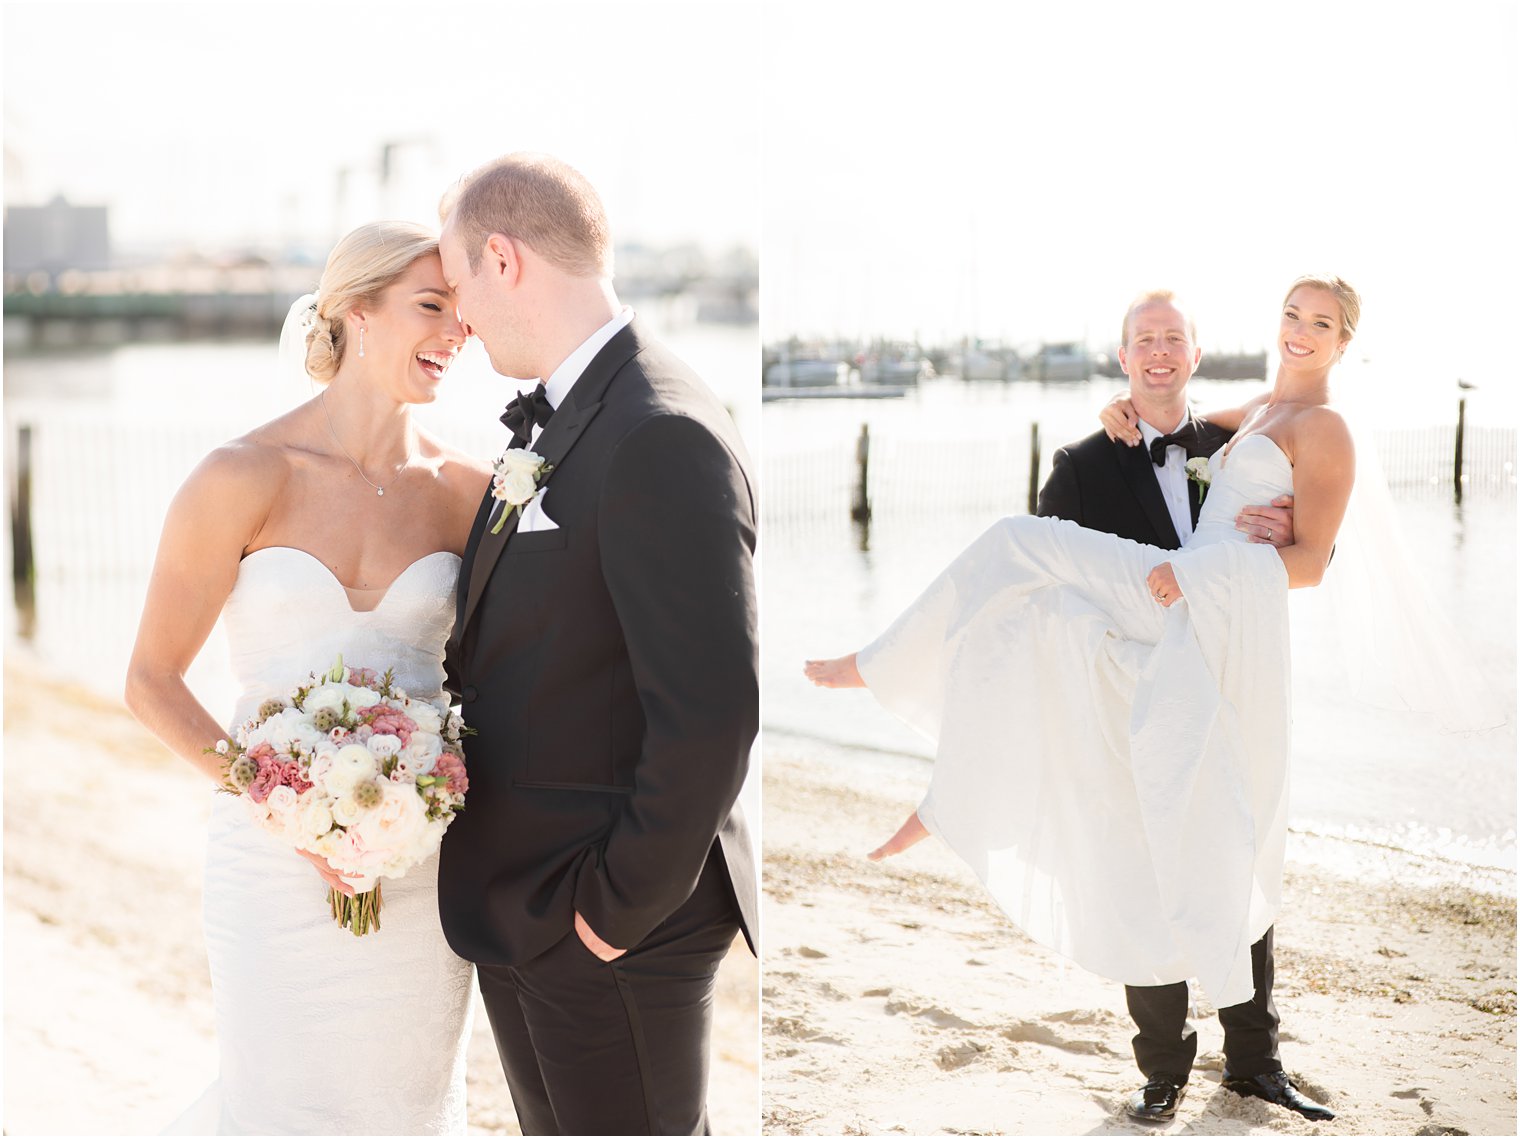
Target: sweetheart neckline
[
  {"x": 346, "y": 589},
  {"x": 1224, "y": 452}
]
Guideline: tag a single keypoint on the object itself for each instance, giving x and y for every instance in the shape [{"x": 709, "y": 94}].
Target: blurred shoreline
[
  {"x": 897, "y": 999},
  {"x": 108, "y": 1025}
]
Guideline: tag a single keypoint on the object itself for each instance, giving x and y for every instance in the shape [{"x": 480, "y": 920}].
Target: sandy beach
[
  {"x": 107, "y": 1000},
  {"x": 899, "y": 1001}
]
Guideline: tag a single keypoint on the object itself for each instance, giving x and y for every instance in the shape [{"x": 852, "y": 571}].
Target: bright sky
[
  {"x": 211, "y": 123},
  {"x": 1021, "y": 170}
]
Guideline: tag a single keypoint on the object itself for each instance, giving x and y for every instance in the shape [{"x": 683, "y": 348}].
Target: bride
[
  {"x": 337, "y": 527},
  {"x": 1112, "y": 718}
]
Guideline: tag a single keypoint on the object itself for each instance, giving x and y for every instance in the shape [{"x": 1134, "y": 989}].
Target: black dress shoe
[
  {"x": 1157, "y": 1101},
  {"x": 1275, "y": 1087}
]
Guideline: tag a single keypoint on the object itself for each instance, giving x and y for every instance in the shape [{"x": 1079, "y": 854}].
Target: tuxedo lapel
[
  {"x": 1207, "y": 444},
  {"x": 564, "y": 430},
  {"x": 1140, "y": 473},
  {"x": 1195, "y": 501},
  {"x": 478, "y": 532}
]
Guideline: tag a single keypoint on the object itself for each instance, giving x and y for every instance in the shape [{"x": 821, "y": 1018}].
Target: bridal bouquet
[{"x": 350, "y": 768}]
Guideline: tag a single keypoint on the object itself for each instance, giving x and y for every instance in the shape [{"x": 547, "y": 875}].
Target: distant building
[{"x": 56, "y": 237}]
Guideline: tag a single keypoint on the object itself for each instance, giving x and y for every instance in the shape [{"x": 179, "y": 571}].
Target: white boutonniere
[
  {"x": 519, "y": 474},
  {"x": 1198, "y": 473}
]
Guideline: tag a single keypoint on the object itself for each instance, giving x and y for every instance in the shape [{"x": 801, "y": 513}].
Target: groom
[
  {"x": 1143, "y": 493},
  {"x": 604, "y": 654}
]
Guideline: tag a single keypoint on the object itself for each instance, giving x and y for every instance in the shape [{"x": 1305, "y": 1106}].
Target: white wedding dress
[
  {"x": 321, "y": 1032},
  {"x": 1114, "y": 771}
]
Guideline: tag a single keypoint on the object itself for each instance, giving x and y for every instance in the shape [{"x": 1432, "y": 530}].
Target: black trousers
[
  {"x": 616, "y": 1048},
  {"x": 1167, "y": 1042}
]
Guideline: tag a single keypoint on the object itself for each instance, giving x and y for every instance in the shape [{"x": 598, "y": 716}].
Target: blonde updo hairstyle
[
  {"x": 360, "y": 267},
  {"x": 1347, "y": 297}
]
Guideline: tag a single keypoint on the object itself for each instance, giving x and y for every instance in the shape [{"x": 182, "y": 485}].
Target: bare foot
[
  {"x": 837, "y": 673},
  {"x": 911, "y": 832}
]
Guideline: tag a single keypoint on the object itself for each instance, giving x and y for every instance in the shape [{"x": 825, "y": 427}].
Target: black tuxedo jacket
[
  {"x": 609, "y": 670},
  {"x": 1105, "y": 485}
]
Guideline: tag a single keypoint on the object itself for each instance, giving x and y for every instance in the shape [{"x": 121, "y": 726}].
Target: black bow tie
[
  {"x": 1185, "y": 437},
  {"x": 526, "y": 409}
]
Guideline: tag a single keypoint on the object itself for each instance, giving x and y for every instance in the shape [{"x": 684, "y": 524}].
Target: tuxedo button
[{"x": 469, "y": 694}]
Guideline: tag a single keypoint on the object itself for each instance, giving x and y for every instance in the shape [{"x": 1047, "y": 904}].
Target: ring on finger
[{"x": 1269, "y": 533}]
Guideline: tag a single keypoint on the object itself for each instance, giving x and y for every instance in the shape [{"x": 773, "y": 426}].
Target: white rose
[
  {"x": 343, "y": 853},
  {"x": 281, "y": 799},
  {"x": 1199, "y": 468},
  {"x": 321, "y": 765},
  {"x": 426, "y": 717},
  {"x": 280, "y": 729},
  {"x": 517, "y": 488},
  {"x": 328, "y": 696},
  {"x": 393, "y": 826},
  {"x": 519, "y": 460},
  {"x": 353, "y": 764},
  {"x": 317, "y": 817},
  {"x": 345, "y": 811},
  {"x": 306, "y": 737},
  {"x": 361, "y": 697},
  {"x": 383, "y": 745},
  {"x": 422, "y": 752}
]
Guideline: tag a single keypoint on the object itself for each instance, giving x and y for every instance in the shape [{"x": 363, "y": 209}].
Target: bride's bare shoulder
[
  {"x": 1323, "y": 431},
  {"x": 1324, "y": 420},
  {"x": 242, "y": 477}
]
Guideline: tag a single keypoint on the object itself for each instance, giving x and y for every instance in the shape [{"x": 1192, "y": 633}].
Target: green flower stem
[{"x": 358, "y": 914}]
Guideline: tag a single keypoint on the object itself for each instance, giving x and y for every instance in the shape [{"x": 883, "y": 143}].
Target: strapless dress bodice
[
  {"x": 1254, "y": 473},
  {"x": 288, "y": 616}
]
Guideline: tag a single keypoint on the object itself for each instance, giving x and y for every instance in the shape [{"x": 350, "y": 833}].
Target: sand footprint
[{"x": 1038, "y": 1032}]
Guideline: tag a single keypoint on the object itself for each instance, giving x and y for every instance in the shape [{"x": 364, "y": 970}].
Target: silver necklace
[{"x": 379, "y": 490}]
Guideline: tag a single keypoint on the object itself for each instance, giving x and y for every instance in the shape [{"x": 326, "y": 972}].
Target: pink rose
[
  {"x": 451, "y": 767},
  {"x": 389, "y": 722},
  {"x": 271, "y": 772},
  {"x": 291, "y": 777},
  {"x": 364, "y": 678}
]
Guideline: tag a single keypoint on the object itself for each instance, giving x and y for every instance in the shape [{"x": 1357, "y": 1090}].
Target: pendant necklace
[{"x": 379, "y": 490}]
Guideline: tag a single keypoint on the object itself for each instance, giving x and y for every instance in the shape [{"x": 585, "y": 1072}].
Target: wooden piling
[
  {"x": 860, "y": 499},
  {"x": 1461, "y": 432},
  {"x": 1034, "y": 467},
  {"x": 23, "y": 564}
]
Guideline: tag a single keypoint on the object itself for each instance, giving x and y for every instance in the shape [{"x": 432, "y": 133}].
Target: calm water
[
  {"x": 1357, "y": 772},
  {"x": 117, "y": 431}
]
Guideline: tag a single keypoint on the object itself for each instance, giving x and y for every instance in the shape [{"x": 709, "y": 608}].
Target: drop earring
[{"x": 361, "y": 342}]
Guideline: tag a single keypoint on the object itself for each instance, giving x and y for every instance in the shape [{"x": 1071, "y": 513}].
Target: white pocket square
[{"x": 533, "y": 516}]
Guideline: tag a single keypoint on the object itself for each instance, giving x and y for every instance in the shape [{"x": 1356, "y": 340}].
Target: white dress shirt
[
  {"x": 558, "y": 385},
  {"x": 555, "y": 389},
  {"x": 1172, "y": 477}
]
